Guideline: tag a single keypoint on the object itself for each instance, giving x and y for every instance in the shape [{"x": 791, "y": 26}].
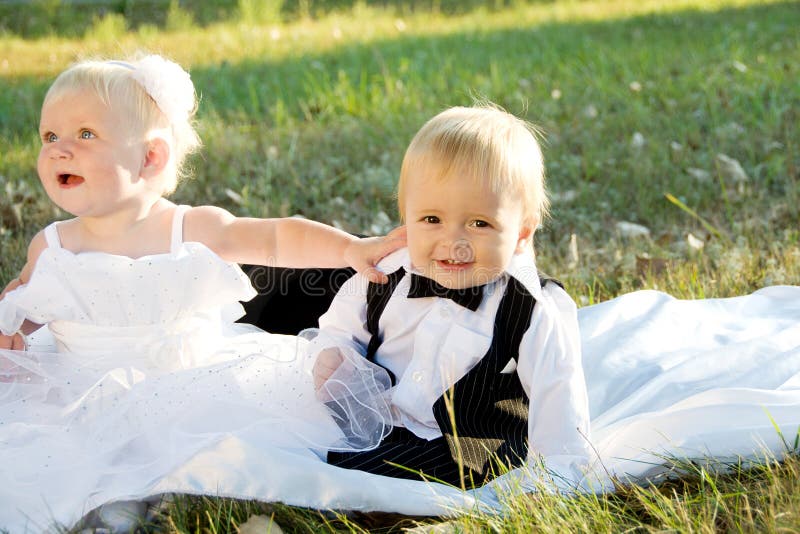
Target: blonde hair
[
  {"x": 114, "y": 83},
  {"x": 482, "y": 143}
]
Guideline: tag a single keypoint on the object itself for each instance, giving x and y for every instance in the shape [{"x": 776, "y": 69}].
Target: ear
[
  {"x": 525, "y": 236},
  {"x": 156, "y": 157}
]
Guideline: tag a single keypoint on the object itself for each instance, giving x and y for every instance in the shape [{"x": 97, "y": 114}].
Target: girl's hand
[
  {"x": 364, "y": 254},
  {"x": 17, "y": 341},
  {"x": 14, "y": 341}
]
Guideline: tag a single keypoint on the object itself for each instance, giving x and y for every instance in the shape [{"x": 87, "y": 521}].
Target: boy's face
[{"x": 460, "y": 233}]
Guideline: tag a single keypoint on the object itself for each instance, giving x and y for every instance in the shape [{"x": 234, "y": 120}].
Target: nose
[
  {"x": 455, "y": 233},
  {"x": 456, "y": 245},
  {"x": 58, "y": 150}
]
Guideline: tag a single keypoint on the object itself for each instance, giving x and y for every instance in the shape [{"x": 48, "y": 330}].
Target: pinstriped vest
[{"x": 488, "y": 422}]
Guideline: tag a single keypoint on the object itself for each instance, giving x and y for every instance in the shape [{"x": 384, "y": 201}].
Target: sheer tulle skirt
[{"x": 73, "y": 424}]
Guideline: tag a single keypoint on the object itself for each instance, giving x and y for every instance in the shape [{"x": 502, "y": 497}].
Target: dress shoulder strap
[
  {"x": 177, "y": 228},
  {"x": 51, "y": 235}
]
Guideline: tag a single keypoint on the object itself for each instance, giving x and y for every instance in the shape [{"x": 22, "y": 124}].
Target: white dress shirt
[{"x": 430, "y": 343}]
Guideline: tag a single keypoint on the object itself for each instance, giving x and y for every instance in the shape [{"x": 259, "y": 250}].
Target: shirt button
[{"x": 416, "y": 376}]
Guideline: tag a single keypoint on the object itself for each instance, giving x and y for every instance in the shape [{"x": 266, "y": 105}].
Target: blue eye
[
  {"x": 87, "y": 134},
  {"x": 49, "y": 137},
  {"x": 431, "y": 219}
]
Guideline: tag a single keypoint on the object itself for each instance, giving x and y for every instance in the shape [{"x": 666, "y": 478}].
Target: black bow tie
[{"x": 469, "y": 297}]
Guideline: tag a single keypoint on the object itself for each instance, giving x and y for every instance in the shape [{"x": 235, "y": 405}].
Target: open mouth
[
  {"x": 453, "y": 264},
  {"x": 69, "y": 180}
]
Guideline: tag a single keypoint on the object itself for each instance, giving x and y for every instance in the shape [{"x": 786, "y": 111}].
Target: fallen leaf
[
  {"x": 563, "y": 196},
  {"x": 694, "y": 243},
  {"x": 574, "y": 257},
  {"x": 732, "y": 129},
  {"x": 447, "y": 527},
  {"x": 699, "y": 174},
  {"x": 637, "y": 140},
  {"x": 629, "y": 229},
  {"x": 260, "y": 524},
  {"x": 731, "y": 169},
  {"x": 233, "y": 195},
  {"x": 647, "y": 266}
]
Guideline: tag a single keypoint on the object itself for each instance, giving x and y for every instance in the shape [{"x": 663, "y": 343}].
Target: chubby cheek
[
  {"x": 418, "y": 259},
  {"x": 41, "y": 163},
  {"x": 418, "y": 249},
  {"x": 497, "y": 255},
  {"x": 42, "y": 169}
]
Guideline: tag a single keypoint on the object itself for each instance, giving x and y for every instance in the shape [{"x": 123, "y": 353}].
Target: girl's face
[
  {"x": 461, "y": 233},
  {"x": 89, "y": 164}
]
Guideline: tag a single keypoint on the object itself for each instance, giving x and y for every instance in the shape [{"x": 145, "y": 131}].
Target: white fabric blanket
[{"x": 666, "y": 378}]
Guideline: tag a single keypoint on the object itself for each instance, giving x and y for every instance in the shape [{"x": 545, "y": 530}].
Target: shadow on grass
[
  {"x": 73, "y": 18},
  {"x": 452, "y": 67}
]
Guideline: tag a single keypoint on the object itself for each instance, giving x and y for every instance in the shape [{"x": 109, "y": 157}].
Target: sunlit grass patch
[
  {"x": 707, "y": 497},
  {"x": 638, "y": 100}
]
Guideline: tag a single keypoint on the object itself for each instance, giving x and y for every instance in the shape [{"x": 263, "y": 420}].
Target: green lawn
[{"x": 680, "y": 116}]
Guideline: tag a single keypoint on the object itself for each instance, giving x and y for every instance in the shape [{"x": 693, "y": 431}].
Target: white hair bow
[{"x": 167, "y": 84}]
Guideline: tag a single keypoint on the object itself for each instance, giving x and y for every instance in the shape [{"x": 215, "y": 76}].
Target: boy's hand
[
  {"x": 364, "y": 254},
  {"x": 327, "y": 362}
]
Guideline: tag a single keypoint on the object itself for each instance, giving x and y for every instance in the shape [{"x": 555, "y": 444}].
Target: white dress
[{"x": 140, "y": 367}]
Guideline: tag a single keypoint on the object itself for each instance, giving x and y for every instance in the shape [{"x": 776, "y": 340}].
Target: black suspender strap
[
  {"x": 543, "y": 279},
  {"x": 378, "y": 296}
]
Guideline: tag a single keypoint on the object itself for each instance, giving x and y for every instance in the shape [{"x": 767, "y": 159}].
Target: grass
[
  {"x": 764, "y": 497},
  {"x": 638, "y": 100}
]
